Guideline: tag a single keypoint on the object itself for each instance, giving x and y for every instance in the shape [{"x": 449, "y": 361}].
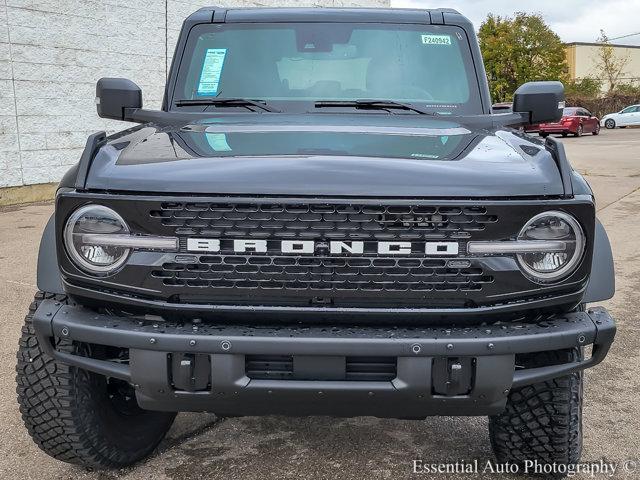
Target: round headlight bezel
[
  {"x": 571, "y": 265},
  {"x": 77, "y": 258}
]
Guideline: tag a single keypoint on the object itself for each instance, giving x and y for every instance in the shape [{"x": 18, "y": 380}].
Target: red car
[{"x": 575, "y": 120}]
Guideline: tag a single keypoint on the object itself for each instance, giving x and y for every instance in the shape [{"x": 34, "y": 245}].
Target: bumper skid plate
[{"x": 323, "y": 370}]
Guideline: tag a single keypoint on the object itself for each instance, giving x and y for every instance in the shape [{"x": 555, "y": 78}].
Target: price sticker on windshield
[
  {"x": 211, "y": 71},
  {"x": 436, "y": 39}
]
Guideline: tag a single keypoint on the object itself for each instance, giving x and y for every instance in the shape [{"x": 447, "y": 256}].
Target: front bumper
[{"x": 217, "y": 379}]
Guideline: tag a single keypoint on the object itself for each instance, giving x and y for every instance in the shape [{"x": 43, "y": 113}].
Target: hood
[{"x": 400, "y": 155}]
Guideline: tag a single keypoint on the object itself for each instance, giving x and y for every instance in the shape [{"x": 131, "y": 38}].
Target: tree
[
  {"x": 518, "y": 50},
  {"x": 610, "y": 65},
  {"x": 584, "y": 87},
  {"x": 628, "y": 89}
]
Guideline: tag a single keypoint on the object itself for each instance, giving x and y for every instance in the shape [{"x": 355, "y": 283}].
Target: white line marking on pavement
[{"x": 22, "y": 284}]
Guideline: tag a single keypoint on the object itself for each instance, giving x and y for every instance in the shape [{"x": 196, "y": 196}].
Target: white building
[
  {"x": 52, "y": 52},
  {"x": 583, "y": 60}
]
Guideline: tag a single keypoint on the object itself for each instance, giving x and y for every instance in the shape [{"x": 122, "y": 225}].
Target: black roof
[{"x": 437, "y": 16}]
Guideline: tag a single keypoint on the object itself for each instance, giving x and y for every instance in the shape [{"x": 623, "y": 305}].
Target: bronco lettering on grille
[{"x": 293, "y": 247}]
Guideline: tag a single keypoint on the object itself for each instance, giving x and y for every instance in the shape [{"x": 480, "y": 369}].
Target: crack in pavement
[{"x": 618, "y": 200}]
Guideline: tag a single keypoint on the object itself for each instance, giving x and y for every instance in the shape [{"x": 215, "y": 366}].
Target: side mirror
[
  {"x": 543, "y": 101},
  {"x": 114, "y": 95}
]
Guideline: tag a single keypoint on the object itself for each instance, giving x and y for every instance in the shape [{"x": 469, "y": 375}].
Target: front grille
[
  {"x": 356, "y": 369},
  {"x": 365, "y": 281},
  {"x": 273, "y": 277},
  {"x": 372, "y": 274},
  {"x": 329, "y": 221}
]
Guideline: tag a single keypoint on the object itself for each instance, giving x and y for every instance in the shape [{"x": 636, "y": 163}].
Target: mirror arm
[
  {"x": 160, "y": 117},
  {"x": 514, "y": 119}
]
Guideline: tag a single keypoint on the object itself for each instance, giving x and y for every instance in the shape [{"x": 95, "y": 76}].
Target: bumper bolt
[
  {"x": 490, "y": 346},
  {"x": 225, "y": 345},
  {"x": 506, "y": 392},
  {"x": 192, "y": 343},
  {"x": 450, "y": 346},
  {"x": 152, "y": 341},
  {"x": 581, "y": 339},
  {"x": 415, "y": 348},
  {"x": 64, "y": 331}
]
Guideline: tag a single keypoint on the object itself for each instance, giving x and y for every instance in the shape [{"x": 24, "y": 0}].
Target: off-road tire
[
  {"x": 69, "y": 412},
  {"x": 542, "y": 422}
]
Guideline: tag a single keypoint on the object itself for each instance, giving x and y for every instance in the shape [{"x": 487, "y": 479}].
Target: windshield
[{"x": 295, "y": 65}]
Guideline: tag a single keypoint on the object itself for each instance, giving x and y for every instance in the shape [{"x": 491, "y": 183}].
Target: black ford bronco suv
[{"x": 324, "y": 218}]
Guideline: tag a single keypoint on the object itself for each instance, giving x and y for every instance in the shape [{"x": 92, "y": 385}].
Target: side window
[
  {"x": 629, "y": 109},
  {"x": 587, "y": 113}
]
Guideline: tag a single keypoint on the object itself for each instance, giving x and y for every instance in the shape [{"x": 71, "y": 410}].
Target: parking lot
[{"x": 202, "y": 446}]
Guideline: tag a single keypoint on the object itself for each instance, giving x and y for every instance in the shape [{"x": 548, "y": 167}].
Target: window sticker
[
  {"x": 436, "y": 39},
  {"x": 211, "y": 71},
  {"x": 218, "y": 141}
]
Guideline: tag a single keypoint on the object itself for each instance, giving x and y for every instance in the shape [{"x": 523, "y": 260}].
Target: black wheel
[
  {"x": 543, "y": 135},
  {"x": 579, "y": 131},
  {"x": 596, "y": 131},
  {"x": 541, "y": 422},
  {"x": 77, "y": 416},
  {"x": 610, "y": 123},
  {"x": 564, "y": 134}
]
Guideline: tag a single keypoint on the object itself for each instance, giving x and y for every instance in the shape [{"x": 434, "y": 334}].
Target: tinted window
[{"x": 307, "y": 62}]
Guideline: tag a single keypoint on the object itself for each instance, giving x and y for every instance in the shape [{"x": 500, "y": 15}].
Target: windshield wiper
[
  {"x": 371, "y": 105},
  {"x": 227, "y": 102}
]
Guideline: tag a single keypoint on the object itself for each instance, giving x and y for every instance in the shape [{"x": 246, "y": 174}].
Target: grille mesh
[
  {"x": 328, "y": 221},
  {"x": 322, "y": 273},
  {"x": 320, "y": 276}
]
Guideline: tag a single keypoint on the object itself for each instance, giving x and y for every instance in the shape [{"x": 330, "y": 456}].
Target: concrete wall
[
  {"x": 583, "y": 59},
  {"x": 53, "y": 51}
]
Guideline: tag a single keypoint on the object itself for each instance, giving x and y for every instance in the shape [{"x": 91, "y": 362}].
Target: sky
[{"x": 573, "y": 20}]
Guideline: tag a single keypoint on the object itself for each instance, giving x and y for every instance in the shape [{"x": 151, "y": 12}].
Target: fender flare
[
  {"x": 602, "y": 282},
  {"x": 49, "y": 279}
]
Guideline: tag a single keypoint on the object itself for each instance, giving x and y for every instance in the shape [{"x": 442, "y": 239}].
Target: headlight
[
  {"x": 82, "y": 235},
  {"x": 561, "y": 229}
]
